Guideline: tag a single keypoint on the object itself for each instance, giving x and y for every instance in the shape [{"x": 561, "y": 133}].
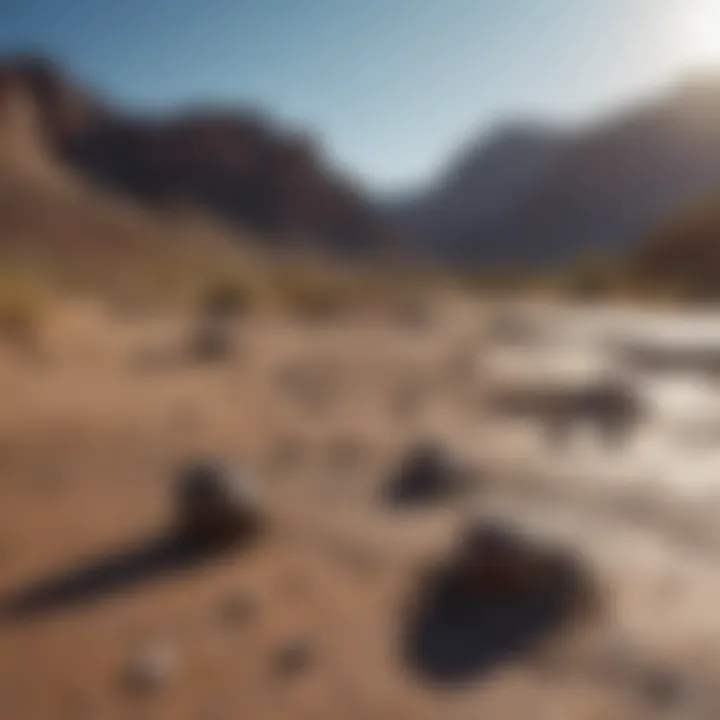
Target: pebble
[
  {"x": 295, "y": 656},
  {"x": 151, "y": 668}
]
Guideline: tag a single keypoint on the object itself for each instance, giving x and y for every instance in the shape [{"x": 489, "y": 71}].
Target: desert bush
[
  {"x": 22, "y": 311},
  {"x": 681, "y": 259},
  {"x": 591, "y": 278},
  {"x": 313, "y": 295},
  {"x": 226, "y": 299},
  {"x": 498, "y": 282}
]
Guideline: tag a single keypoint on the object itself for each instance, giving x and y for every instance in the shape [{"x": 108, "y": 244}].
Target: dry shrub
[
  {"x": 227, "y": 299},
  {"x": 592, "y": 277},
  {"x": 312, "y": 294},
  {"x": 22, "y": 311}
]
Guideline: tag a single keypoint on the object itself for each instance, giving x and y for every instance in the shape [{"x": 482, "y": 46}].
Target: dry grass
[{"x": 23, "y": 310}]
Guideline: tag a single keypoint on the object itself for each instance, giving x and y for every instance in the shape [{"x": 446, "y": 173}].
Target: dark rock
[
  {"x": 295, "y": 656},
  {"x": 498, "y": 559},
  {"x": 497, "y": 598},
  {"x": 215, "y": 505},
  {"x": 427, "y": 473}
]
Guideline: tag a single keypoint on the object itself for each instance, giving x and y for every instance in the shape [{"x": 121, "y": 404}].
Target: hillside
[
  {"x": 231, "y": 164},
  {"x": 523, "y": 195},
  {"x": 479, "y": 192},
  {"x": 54, "y": 222}
]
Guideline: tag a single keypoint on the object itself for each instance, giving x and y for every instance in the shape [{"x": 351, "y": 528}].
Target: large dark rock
[
  {"x": 494, "y": 559},
  {"x": 495, "y": 599}
]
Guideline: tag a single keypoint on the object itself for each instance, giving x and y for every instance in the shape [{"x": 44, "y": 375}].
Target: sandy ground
[{"x": 92, "y": 433}]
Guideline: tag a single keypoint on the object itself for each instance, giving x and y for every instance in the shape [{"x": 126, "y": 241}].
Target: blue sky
[{"x": 391, "y": 86}]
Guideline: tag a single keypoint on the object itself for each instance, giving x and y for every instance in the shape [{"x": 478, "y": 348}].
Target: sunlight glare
[{"x": 700, "y": 32}]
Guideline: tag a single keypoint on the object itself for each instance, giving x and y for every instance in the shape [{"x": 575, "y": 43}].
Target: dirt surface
[{"x": 316, "y": 619}]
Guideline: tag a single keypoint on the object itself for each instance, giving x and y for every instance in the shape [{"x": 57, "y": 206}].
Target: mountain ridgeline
[
  {"x": 233, "y": 164},
  {"x": 525, "y": 195},
  {"x": 529, "y": 196}
]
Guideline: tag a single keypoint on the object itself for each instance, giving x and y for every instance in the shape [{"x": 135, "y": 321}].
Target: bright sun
[{"x": 700, "y": 31}]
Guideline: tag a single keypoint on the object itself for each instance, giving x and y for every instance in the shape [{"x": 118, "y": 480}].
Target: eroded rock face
[{"x": 215, "y": 505}]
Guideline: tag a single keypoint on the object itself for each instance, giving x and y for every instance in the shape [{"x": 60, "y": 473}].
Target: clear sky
[{"x": 392, "y": 86}]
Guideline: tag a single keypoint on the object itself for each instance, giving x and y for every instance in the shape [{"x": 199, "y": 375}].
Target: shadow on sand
[{"x": 110, "y": 573}]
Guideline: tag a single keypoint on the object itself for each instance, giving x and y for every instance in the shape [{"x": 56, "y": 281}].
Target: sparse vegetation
[
  {"x": 311, "y": 293},
  {"x": 227, "y": 299},
  {"x": 22, "y": 311},
  {"x": 591, "y": 278},
  {"x": 682, "y": 259}
]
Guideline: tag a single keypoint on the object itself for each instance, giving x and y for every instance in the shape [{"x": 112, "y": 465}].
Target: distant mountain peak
[{"x": 526, "y": 193}]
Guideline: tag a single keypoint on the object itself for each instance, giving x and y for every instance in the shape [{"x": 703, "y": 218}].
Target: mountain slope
[
  {"x": 56, "y": 223},
  {"x": 536, "y": 197},
  {"x": 624, "y": 177},
  {"x": 232, "y": 164},
  {"x": 480, "y": 191}
]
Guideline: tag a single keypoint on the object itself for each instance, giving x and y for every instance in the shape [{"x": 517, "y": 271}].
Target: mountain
[
  {"x": 233, "y": 164},
  {"x": 56, "y": 223},
  {"x": 534, "y": 197},
  {"x": 480, "y": 191},
  {"x": 523, "y": 195}
]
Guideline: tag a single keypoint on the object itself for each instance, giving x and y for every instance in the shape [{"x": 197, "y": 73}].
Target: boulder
[
  {"x": 427, "y": 473},
  {"x": 213, "y": 504},
  {"x": 499, "y": 561}
]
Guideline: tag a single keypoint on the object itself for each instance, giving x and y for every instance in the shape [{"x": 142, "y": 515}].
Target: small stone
[
  {"x": 427, "y": 473},
  {"x": 150, "y": 669},
  {"x": 212, "y": 342},
  {"x": 295, "y": 656}
]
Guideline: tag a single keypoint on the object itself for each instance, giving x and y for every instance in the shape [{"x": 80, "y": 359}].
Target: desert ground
[{"x": 316, "y": 618}]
